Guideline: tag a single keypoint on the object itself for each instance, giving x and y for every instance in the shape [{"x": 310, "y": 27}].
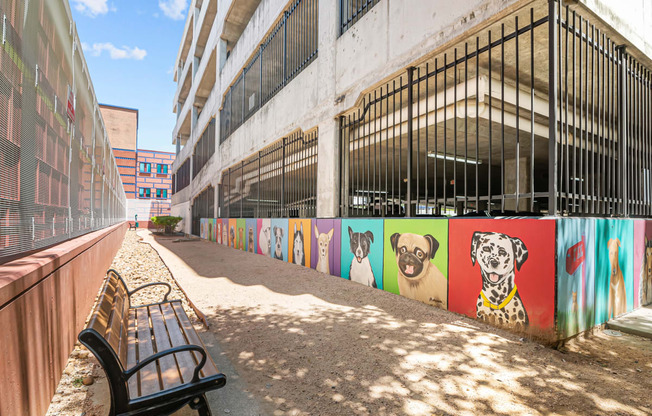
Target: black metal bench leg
[{"x": 200, "y": 404}]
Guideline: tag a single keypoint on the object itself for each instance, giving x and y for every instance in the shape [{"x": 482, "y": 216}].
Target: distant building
[{"x": 146, "y": 174}]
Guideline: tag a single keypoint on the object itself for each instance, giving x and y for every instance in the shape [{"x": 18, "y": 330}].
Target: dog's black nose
[{"x": 494, "y": 263}]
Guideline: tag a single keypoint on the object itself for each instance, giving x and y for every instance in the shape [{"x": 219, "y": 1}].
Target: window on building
[
  {"x": 145, "y": 167},
  {"x": 162, "y": 193},
  {"x": 204, "y": 148},
  {"x": 144, "y": 192},
  {"x": 161, "y": 168}
]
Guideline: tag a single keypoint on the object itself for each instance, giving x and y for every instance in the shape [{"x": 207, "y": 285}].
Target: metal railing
[
  {"x": 278, "y": 181},
  {"x": 289, "y": 48},
  {"x": 467, "y": 132},
  {"x": 58, "y": 176},
  {"x": 204, "y": 149},
  {"x": 352, "y": 10},
  {"x": 202, "y": 207}
]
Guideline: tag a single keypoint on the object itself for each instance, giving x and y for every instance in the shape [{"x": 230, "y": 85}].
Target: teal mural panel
[
  {"x": 362, "y": 251},
  {"x": 575, "y": 275},
  {"x": 614, "y": 275}
]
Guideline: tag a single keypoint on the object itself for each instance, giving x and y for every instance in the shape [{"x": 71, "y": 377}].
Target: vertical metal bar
[
  {"x": 491, "y": 126},
  {"x": 553, "y": 22},
  {"x": 466, "y": 125},
  {"x": 283, "y": 201},
  {"x": 400, "y": 140},
  {"x": 427, "y": 95},
  {"x": 410, "y": 76},
  {"x": 418, "y": 153},
  {"x": 375, "y": 145},
  {"x": 574, "y": 180},
  {"x": 623, "y": 140},
  {"x": 394, "y": 148},
  {"x": 518, "y": 115},
  {"x": 445, "y": 131},
  {"x": 477, "y": 123},
  {"x": 502, "y": 117},
  {"x": 603, "y": 93},
  {"x": 532, "y": 110},
  {"x": 565, "y": 146},
  {"x": 434, "y": 181},
  {"x": 455, "y": 130},
  {"x": 593, "y": 150},
  {"x": 387, "y": 151}
]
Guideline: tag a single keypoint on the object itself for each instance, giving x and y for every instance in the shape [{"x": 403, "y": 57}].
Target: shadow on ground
[{"x": 308, "y": 343}]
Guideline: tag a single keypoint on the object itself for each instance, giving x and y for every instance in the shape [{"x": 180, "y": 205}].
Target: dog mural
[
  {"x": 418, "y": 278},
  {"x": 323, "y": 243},
  {"x": 278, "y": 234},
  {"x": 218, "y": 231},
  {"x": 225, "y": 233},
  {"x": 646, "y": 281},
  {"x": 499, "y": 256},
  {"x": 299, "y": 256},
  {"x": 210, "y": 229},
  {"x": 617, "y": 294},
  {"x": 360, "y": 270},
  {"x": 241, "y": 242},
  {"x": 576, "y": 260},
  {"x": 232, "y": 236},
  {"x": 264, "y": 237}
]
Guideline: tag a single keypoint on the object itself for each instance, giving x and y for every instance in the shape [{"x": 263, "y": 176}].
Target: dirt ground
[
  {"x": 311, "y": 344},
  {"x": 304, "y": 343}
]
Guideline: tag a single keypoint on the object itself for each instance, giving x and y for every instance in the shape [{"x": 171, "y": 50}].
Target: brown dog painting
[
  {"x": 617, "y": 296},
  {"x": 418, "y": 278}
]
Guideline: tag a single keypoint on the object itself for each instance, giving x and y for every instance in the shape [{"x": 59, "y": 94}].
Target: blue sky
[{"x": 130, "y": 48}]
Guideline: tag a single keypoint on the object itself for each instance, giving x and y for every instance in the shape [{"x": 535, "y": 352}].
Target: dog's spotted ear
[
  {"x": 520, "y": 252},
  {"x": 394, "y": 240},
  {"x": 369, "y": 235},
  {"x": 434, "y": 245},
  {"x": 474, "y": 244}
]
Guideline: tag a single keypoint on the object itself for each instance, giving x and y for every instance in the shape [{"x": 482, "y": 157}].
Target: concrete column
[
  {"x": 221, "y": 53},
  {"x": 328, "y": 172},
  {"x": 523, "y": 183}
]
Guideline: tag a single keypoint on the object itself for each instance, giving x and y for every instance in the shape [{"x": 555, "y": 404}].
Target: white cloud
[
  {"x": 115, "y": 53},
  {"x": 92, "y": 8},
  {"x": 174, "y": 9}
]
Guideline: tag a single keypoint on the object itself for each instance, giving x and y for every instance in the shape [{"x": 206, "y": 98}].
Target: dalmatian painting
[{"x": 499, "y": 257}]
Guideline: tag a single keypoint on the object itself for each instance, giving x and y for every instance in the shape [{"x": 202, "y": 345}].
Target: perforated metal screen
[{"x": 58, "y": 177}]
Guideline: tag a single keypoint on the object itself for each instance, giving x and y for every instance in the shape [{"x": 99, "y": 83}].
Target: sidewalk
[
  {"x": 304, "y": 343},
  {"x": 638, "y": 322}
]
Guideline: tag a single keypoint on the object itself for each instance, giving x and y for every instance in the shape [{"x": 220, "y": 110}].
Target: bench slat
[
  {"x": 185, "y": 360},
  {"x": 100, "y": 318},
  {"x": 167, "y": 365},
  {"x": 132, "y": 358},
  {"x": 192, "y": 337},
  {"x": 149, "y": 378},
  {"x": 116, "y": 322}
]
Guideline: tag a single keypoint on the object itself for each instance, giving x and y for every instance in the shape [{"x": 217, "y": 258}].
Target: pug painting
[
  {"x": 418, "y": 278},
  {"x": 499, "y": 257}
]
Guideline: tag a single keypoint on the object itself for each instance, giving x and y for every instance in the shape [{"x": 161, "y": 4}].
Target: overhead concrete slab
[{"x": 638, "y": 322}]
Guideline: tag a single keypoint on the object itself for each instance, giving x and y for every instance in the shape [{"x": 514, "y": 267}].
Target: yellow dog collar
[{"x": 502, "y": 304}]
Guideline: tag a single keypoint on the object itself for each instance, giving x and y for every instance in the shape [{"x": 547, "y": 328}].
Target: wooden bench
[{"x": 151, "y": 354}]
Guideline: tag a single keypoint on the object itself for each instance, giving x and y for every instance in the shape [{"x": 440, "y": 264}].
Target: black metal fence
[
  {"x": 290, "y": 46},
  {"x": 278, "y": 181},
  {"x": 181, "y": 178},
  {"x": 204, "y": 148},
  {"x": 467, "y": 132},
  {"x": 352, "y": 10},
  {"x": 202, "y": 207}
]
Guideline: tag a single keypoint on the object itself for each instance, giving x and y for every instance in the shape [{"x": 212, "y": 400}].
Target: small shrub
[{"x": 166, "y": 222}]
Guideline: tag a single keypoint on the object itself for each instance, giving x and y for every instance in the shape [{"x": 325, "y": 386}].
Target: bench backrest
[{"x": 106, "y": 332}]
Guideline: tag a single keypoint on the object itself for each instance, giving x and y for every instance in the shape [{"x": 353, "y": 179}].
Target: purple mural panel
[{"x": 325, "y": 249}]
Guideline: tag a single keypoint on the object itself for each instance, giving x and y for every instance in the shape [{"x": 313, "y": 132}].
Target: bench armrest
[
  {"x": 165, "y": 298},
  {"x": 133, "y": 370}
]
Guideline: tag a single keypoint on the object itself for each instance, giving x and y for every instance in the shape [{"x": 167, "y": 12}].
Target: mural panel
[
  {"x": 639, "y": 260},
  {"x": 240, "y": 234},
  {"x": 225, "y": 231},
  {"x": 614, "y": 282},
  {"x": 325, "y": 249},
  {"x": 503, "y": 272},
  {"x": 299, "y": 239},
  {"x": 211, "y": 229},
  {"x": 279, "y": 247},
  {"x": 218, "y": 230},
  {"x": 264, "y": 228},
  {"x": 646, "y": 282},
  {"x": 203, "y": 228},
  {"x": 233, "y": 229},
  {"x": 575, "y": 275},
  {"x": 362, "y": 251},
  {"x": 416, "y": 259},
  {"x": 250, "y": 235}
]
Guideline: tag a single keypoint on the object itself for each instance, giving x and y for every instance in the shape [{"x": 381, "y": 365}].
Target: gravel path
[
  {"x": 138, "y": 264},
  {"x": 311, "y": 344}
]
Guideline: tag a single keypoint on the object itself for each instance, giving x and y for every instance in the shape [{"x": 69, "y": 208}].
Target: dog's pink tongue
[
  {"x": 409, "y": 269},
  {"x": 493, "y": 277}
]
